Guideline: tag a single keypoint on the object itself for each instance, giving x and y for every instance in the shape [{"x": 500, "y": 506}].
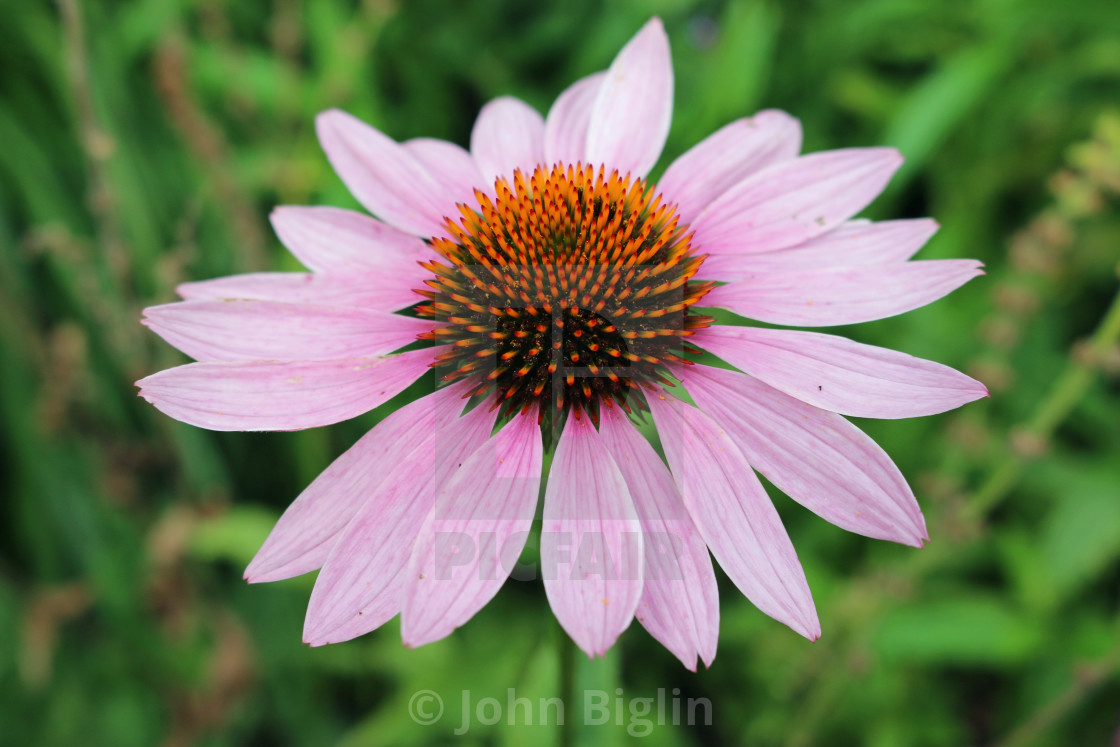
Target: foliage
[{"x": 144, "y": 143}]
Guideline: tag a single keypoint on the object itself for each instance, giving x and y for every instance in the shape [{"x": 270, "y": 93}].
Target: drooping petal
[
  {"x": 591, "y": 543},
  {"x": 508, "y": 135},
  {"x": 856, "y": 243},
  {"x": 267, "y": 330},
  {"x": 679, "y": 605},
  {"x": 472, "y": 538},
  {"x": 385, "y": 177},
  {"x": 727, "y": 157},
  {"x": 840, "y": 375},
  {"x": 565, "y": 128},
  {"x": 815, "y": 457},
  {"x": 385, "y": 290},
  {"x": 281, "y": 396},
  {"x": 634, "y": 106},
  {"x": 360, "y": 585},
  {"x": 331, "y": 240},
  {"x": 843, "y": 295},
  {"x": 792, "y": 201},
  {"x": 305, "y": 533},
  {"x": 452, "y": 166},
  {"x": 362, "y": 581},
  {"x": 734, "y": 515}
]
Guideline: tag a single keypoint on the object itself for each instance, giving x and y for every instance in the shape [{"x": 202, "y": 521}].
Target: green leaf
[
  {"x": 963, "y": 629},
  {"x": 234, "y": 536}
]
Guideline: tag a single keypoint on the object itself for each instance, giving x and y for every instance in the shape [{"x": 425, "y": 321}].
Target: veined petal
[
  {"x": 281, "y": 396},
  {"x": 385, "y": 177},
  {"x": 679, "y": 605},
  {"x": 387, "y": 290},
  {"x": 472, "y": 538},
  {"x": 857, "y": 243},
  {"x": 268, "y": 330},
  {"x": 633, "y": 109},
  {"x": 332, "y": 240},
  {"x": 843, "y": 295},
  {"x": 840, "y": 375},
  {"x": 727, "y": 157},
  {"x": 591, "y": 542},
  {"x": 508, "y": 135},
  {"x": 362, "y": 581},
  {"x": 451, "y": 165},
  {"x": 305, "y": 533},
  {"x": 565, "y": 128},
  {"x": 733, "y": 513},
  {"x": 815, "y": 457},
  {"x": 792, "y": 201}
]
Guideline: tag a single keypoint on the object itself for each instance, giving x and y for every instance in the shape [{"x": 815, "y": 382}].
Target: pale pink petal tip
[
  {"x": 679, "y": 605},
  {"x": 565, "y": 128},
  {"x": 280, "y": 395},
  {"x": 734, "y": 514},
  {"x": 816, "y": 457},
  {"x": 633, "y": 109},
  {"x": 329, "y": 239},
  {"x": 793, "y": 201},
  {"x": 508, "y": 135},
  {"x": 838, "y": 295},
  {"x": 726, "y": 157},
  {"x": 587, "y": 501},
  {"x": 363, "y": 581},
  {"x": 488, "y": 504},
  {"x": 388, "y": 287},
  {"x": 384, "y": 176},
  {"x": 839, "y": 375},
  {"x": 304, "y": 535},
  {"x": 256, "y": 330}
]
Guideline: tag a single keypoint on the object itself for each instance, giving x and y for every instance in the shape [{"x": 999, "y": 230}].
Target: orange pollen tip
[{"x": 568, "y": 270}]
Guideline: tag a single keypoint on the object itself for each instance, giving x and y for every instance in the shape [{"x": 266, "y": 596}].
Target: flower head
[{"x": 559, "y": 293}]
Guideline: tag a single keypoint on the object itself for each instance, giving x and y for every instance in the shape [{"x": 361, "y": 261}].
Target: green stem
[
  {"x": 1067, "y": 391},
  {"x": 566, "y": 651},
  {"x": 1085, "y": 681}
]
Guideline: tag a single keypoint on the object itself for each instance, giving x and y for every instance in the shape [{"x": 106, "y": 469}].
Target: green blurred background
[{"x": 143, "y": 143}]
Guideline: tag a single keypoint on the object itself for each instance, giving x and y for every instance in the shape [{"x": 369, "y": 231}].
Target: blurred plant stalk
[{"x": 1080, "y": 192}]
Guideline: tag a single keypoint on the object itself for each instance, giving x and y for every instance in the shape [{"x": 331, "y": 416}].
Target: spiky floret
[{"x": 571, "y": 289}]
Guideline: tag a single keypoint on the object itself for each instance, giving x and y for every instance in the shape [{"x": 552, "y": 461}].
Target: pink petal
[
  {"x": 452, "y": 166},
  {"x": 837, "y": 374},
  {"x": 331, "y": 240},
  {"x": 843, "y": 295},
  {"x": 304, "y": 535},
  {"x": 565, "y": 129},
  {"x": 508, "y": 135},
  {"x": 734, "y": 515},
  {"x": 386, "y": 290},
  {"x": 857, "y": 243},
  {"x": 267, "y": 330},
  {"x": 679, "y": 605},
  {"x": 360, "y": 585},
  {"x": 385, "y": 177},
  {"x": 591, "y": 542},
  {"x": 363, "y": 579},
  {"x": 471, "y": 540},
  {"x": 792, "y": 201},
  {"x": 728, "y": 156},
  {"x": 816, "y": 457},
  {"x": 281, "y": 396},
  {"x": 632, "y": 112}
]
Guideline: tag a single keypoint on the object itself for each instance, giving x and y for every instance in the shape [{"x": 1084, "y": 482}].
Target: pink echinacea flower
[{"x": 557, "y": 292}]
